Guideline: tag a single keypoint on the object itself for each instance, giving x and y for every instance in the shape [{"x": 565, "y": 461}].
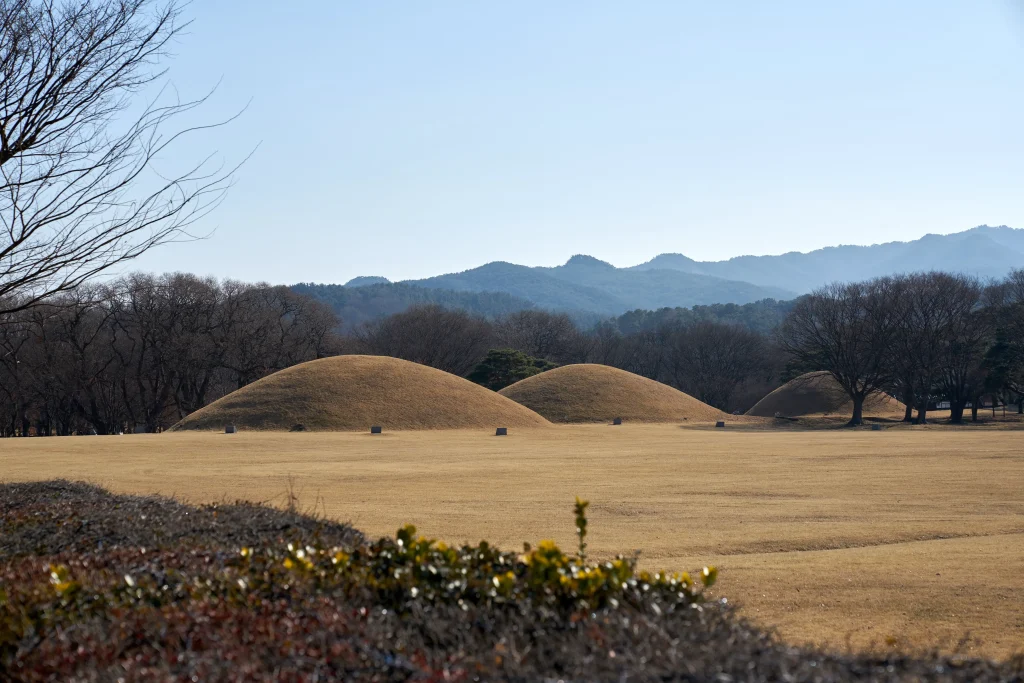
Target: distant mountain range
[
  {"x": 587, "y": 284},
  {"x": 983, "y": 251},
  {"x": 593, "y": 289}
]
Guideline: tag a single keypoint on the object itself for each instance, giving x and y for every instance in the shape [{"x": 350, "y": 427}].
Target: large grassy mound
[
  {"x": 351, "y": 393},
  {"x": 598, "y": 393},
  {"x": 818, "y": 393}
]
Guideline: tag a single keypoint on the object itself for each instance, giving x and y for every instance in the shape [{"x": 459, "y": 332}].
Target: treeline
[
  {"x": 356, "y": 305},
  {"x": 763, "y": 316},
  {"x": 724, "y": 365},
  {"x": 140, "y": 353},
  {"x": 144, "y": 351},
  {"x": 923, "y": 338},
  {"x": 359, "y": 304}
]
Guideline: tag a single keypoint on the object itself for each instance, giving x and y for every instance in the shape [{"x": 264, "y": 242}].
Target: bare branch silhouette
[{"x": 78, "y": 190}]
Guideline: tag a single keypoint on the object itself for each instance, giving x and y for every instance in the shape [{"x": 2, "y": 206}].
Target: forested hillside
[
  {"x": 761, "y": 316},
  {"x": 584, "y": 283},
  {"x": 358, "y": 304}
]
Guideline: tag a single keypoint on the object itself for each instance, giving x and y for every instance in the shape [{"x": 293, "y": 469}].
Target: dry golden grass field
[{"x": 907, "y": 537}]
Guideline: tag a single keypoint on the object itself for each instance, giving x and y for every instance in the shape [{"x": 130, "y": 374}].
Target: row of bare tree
[
  {"x": 922, "y": 337},
  {"x": 724, "y": 365},
  {"x": 143, "y": 351}
]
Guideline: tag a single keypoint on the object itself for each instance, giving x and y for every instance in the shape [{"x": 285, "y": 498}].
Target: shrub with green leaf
[{"x": 101, "y": 587}]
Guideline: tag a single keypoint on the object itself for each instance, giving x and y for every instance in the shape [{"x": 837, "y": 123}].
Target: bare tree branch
[
  {"x": 846, "y": 330},
  {"x": 79, "y": 193}
]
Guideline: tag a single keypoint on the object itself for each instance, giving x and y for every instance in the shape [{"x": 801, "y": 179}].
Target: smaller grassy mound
[
  {"x": 817, "y": 393},
  {"x": 352, "y": 393},
  {"x": 598, "y": 393}
]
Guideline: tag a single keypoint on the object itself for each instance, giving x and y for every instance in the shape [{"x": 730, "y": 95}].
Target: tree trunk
[
  {"x": 922, "y": 413},
  {"x": 858, "y": 412},
  {"x": 908, "y": 401},
  {"x": 956, "y": 412},
  {"x": 1020, "y": 405},
  {"x": 974, "y": 410}
]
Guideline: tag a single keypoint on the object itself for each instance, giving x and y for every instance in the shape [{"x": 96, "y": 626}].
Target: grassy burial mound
[
  {"x": 352, "y": 393},
  {"x": 598, "y": 393},
  {"x": 817, "y": 393}
]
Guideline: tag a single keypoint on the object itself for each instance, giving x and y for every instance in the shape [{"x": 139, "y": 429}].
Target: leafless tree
[
  {"x": 263, "y": 329},
  {"x": 79, "y": 192},
  {"x": 968, "y": 334},
  {"x": 16, "y": 347},
  {"x": 643, "y": 353},
  {"x": 939, "y": 340},
  {"x": 925, "y": 304},
  {"x": 903, "y": 360},
  {"x": 605, "y": 345},
  {"x": 1004, "y": 359},
  {"x": 453, "y": 341},
  {"x": 846, "y": 330},
  {"x": 145, "y": 351},
  {"x": 712, "y": 360},
  {"x": 540, "y": 334}
]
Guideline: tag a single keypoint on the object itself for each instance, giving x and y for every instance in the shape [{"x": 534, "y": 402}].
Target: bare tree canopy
[
  {"x": 541, "y": 334},
  {"x": 936, "y": 331},
  {"x": 453, "y": 341},
  {"x": 75, "y": 194},
  {"x": 712, "y": 360},
  {"x": 846, "y": 330},
  {"x": 145, "y": 351}
]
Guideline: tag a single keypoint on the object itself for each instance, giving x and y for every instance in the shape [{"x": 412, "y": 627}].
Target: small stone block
[
  {"x": 876, "y": 428},
  {"x": 720, "y": 423},
  {"x": 617, "y": 421},
  {"x": 501, "y": 431},
  {"x": 230, "y": 429},
  {"x": 376, "y": 429}
]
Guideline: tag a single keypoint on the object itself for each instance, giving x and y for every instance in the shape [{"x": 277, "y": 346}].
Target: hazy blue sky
[{"x": 409, "y": 139}]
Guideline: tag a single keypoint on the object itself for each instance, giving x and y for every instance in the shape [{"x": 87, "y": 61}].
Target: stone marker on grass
[
  {"x": 501, "y": 431},
  {"x": 617, "y": 421},
  {"x": 876, "y": 428},
  {"x": 376, "y": 429},
  {"x": 720, "y": 423},
  {"x": 230, "y": 429}
]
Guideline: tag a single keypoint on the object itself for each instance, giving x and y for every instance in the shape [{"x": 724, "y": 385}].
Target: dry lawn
[{"x": 908, "y": 537}]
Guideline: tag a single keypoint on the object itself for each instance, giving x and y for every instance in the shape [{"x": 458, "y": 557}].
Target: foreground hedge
[{"x": 102, "y": 587}]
